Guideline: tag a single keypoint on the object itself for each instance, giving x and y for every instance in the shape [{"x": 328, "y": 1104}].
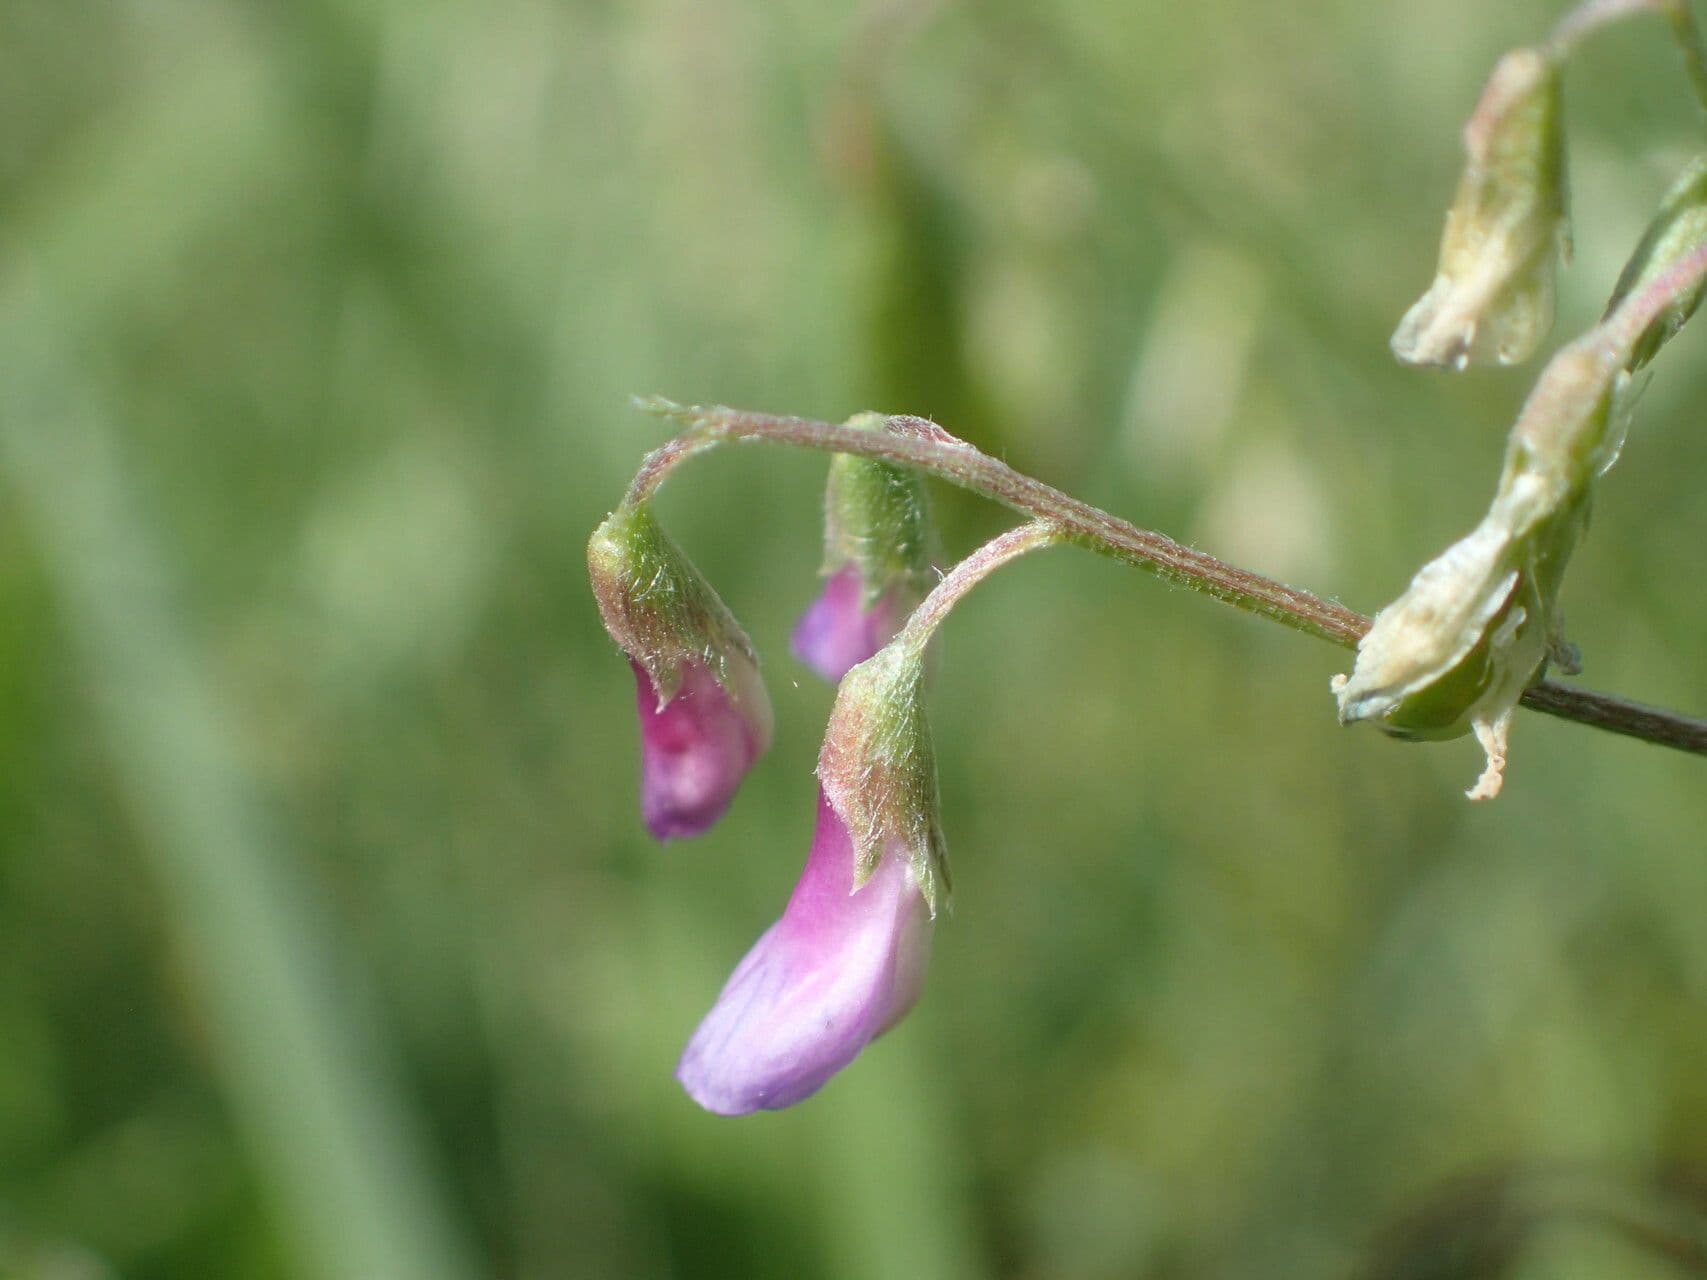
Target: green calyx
[
  {"x": 658, "y": 607},
  {"x": 878, "y": 768},
  {"x": 877, "y": 518}
]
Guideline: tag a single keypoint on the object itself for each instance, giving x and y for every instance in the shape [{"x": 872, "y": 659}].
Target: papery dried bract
[
  {"x": 1475, "y": 627},
  {"x": 1492, "y": 296},
  {"x": 704, "y": 714}
]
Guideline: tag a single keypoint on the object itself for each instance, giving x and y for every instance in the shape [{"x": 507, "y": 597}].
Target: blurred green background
[{"x": 330, "y": 941}]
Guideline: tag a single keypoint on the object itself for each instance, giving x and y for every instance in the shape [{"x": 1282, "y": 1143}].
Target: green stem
[
  {"x": 1591, "y": 16},
  {"x": 912, "y": 442},
  {"x": 971, "y": 571},
  {"x": 1688, "y": 37},
  {"x": 922, "y": 445}
]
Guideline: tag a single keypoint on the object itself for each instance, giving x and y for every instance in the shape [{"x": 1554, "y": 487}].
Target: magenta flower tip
[
  {"x": 838, "y": 632},
  {"x": 696, "y": 748},
  {"x": 836, "y": 971}
]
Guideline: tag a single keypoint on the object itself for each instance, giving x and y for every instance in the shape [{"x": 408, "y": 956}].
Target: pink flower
[
  {"x": 839, "y": 630},
  {"x": 697, "y": 747},
  {"x": 704, "y": 714},
  {"x": 840, "y": 967}
]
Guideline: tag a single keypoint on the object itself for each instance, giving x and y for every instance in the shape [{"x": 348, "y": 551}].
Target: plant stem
[
  {"x": 922, "y": 445},
  {"x": 1625, "y": 326},
  {"x": 937, "y": 453},
  {"x": 1688, "y": 37},
  {"x": 1618, "y": 715},
  {"x": 969, "y": 572},
  {"x": 1589, "y": 17}
]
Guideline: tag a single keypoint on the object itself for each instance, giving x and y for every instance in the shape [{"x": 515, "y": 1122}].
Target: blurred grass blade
[{"x": 309, "y": 1082}]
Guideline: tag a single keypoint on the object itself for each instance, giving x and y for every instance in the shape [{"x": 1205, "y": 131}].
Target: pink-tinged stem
[{"x": 935, "y": 453}]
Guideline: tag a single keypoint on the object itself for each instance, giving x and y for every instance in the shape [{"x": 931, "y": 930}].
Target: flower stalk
[
  {"x": 1591, "y": 16},
  {"x": 846, "y": 959},
  {"x": 938, "y": 454}
]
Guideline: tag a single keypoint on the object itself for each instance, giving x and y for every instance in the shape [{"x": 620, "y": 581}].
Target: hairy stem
[
  {"x": 973, "y": 570},
  {"x": 939, "y": 454},
  {"x": 913, "y": 442}
]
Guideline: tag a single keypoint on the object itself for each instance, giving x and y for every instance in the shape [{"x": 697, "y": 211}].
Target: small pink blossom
[
  {"x": 697, "y": 747},
  {"x": 839, "y": 630},
  {"x": 838, "y": 969}
]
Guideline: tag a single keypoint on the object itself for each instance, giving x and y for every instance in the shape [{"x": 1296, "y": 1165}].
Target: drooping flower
[
  {"x": 846, "y": 959},
  {"x": 1492, "y": 296},
  {"x": 878, "y": 547},
  {"x": 704, "y": 715},
  {"x": 695, "y": 748},
  {"x": 840, "y": 967}
]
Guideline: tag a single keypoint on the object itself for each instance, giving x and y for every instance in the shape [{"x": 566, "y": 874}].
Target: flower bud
[
  {"x": 878, "y": 548},
  {"x": 1493, "y": 294},
  {"x": 1679, "y": 228},
  {"x": 846, "y": 960},
  {"x": 704, "y": 715}
]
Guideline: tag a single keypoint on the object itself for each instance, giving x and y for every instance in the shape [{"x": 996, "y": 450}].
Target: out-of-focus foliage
[{"x": 354, "y": 294}]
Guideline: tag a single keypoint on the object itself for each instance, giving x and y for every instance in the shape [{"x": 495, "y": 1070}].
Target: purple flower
[
  {"x": 839, "y": 969},
  {"x": 879, "y": 544},
  {"x": 839, "y": 630},
  {"x": 704, "y": 714},
  {"x": 697, "y": 747}
]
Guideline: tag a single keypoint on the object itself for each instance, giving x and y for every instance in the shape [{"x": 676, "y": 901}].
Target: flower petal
[
  {"x": 838, "y": 632},
  {"x": 838, "y": 969},
  {"x": 695, "y": 749}
]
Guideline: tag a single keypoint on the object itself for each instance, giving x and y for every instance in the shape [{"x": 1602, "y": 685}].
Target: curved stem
[
  {"x": 914, "y": 442},
  {"x": 973, "y": 570},
  {"x": 1625, "y": 326},
  {"x": 1688, "y": 37},
  {"x": 1589, "y": 17},
  {"x": 658, "y": 464}
]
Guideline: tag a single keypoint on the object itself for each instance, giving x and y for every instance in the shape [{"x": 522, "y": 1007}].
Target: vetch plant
[
  {"x": 704, "y": 714},
  {"x": 1470, "y": 640},
  {"x": 846, "y": 959}
]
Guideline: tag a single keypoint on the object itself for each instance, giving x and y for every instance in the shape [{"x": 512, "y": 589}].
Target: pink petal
[
  {"x": 837, "y": 970},
  {"x": 837, "y": 632},
  {"x": 695, "y": 750}
]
